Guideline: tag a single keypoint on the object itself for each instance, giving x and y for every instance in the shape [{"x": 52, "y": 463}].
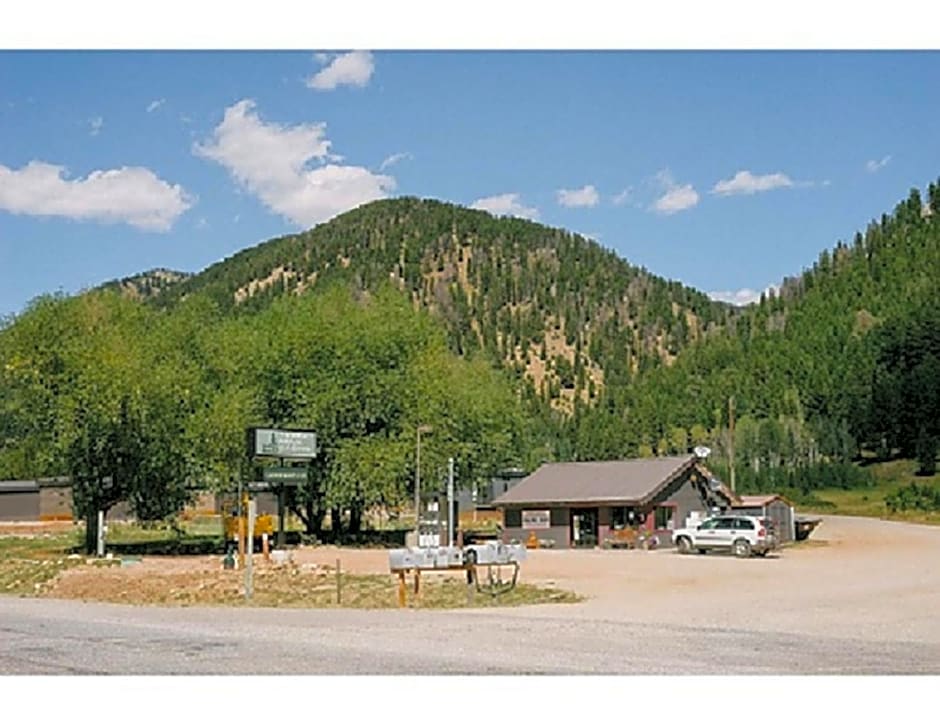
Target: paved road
[
  {"x": 867, "y": 602},
  {"x": 52, "y": 636}
]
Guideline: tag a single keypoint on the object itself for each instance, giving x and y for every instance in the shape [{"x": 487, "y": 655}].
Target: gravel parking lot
[{"x": 862, "y": 597}]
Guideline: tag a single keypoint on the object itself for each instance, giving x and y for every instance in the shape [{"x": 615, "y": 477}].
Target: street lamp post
[{"x": 421, "y": 429}]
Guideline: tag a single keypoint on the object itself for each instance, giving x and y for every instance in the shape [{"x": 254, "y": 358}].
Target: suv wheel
[
  {"x": 741, "y": 548},
  {"x": 684, "y": 545}
]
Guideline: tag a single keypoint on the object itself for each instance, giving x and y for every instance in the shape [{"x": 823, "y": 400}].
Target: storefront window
[
  {"x": 622, "y": 517},
  {"x": 664, "y": 517}
]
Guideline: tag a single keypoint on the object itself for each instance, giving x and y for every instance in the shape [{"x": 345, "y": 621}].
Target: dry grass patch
[
  {"x": 29, "y": 563},
  {"x": 282, "y": 586}
]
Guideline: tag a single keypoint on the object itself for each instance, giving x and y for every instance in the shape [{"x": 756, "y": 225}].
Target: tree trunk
[
  {"x": 91, "y": 530},
  {"x": 355, "y": 519},
  {"x": 311, "y": 515},
  {"x": 336, "y": 523}
]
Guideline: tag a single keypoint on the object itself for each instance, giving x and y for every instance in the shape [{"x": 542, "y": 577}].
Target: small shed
[{"x": 770, "y": 506}]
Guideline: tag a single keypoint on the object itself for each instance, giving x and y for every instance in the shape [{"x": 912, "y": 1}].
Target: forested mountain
[
  {"x": 518, "y": 343},
  {"x": 817, "y": 372},
  {"x": 554, "y": 307},
  {"x": 146, "y": 285}
]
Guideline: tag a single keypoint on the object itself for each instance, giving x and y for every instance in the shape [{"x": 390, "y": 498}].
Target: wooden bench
[{"x": 625, "y": 538}]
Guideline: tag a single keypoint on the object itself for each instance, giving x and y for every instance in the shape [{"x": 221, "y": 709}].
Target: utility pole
[
  {"x": 450, "y": 501},
  {"x": 421, "y": 429},
  {"x": 731, "y": 439}
]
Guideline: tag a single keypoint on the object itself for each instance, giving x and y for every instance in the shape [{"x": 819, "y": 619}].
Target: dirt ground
[{"x": 883, "y": 572}]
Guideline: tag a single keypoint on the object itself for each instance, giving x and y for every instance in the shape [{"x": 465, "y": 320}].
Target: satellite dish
[
  {"x": 714, "y": 484},
  {"x": 702, "y": 451}
]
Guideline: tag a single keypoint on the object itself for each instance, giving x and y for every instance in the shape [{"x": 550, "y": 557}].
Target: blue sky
[{"x": 725, "y": 170}]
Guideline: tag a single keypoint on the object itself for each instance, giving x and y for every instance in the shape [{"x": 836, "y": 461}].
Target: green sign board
[
  {"x": 299, "y": 444},
  {"x": 284, "y": 475}
]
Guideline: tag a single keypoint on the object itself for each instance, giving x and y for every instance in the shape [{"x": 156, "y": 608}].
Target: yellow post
[
  {"x": 241, "y": 541},
  {"x": 265, "y": 549},
  {"x": 402, "y": 589}
]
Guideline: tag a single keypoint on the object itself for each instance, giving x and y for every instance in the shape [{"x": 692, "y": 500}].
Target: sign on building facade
[{"x": 536, "y": 519}]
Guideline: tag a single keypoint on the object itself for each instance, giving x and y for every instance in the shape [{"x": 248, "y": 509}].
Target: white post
[
  {"x": 249, "y": 563},
  {"x": 450, "y": 501},
  {"x": 100, "y": 547}
]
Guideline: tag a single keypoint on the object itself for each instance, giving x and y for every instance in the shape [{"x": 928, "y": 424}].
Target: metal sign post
[
  {"x": 450, "y": 501},
  {"x": 249, "y": 560},
  {"x": 100, "y": 542}
]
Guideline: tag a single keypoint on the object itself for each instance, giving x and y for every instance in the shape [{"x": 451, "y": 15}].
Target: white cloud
[
  {"x": 350, "y": 69},
  {"x": 394, "y": 159},
  {"x": 744, "y": 182},
  {"x": 874, "y": 166},
  {"x": 154, "y": 105},
  {"x": 586, "y": 196},
  {"x": 272, "y": 161},
  {"x": 132, "y": 195},
  {"x": 623, "y": 197},
  {"x": 505, "y": 205},
  {"x": 742, "y": 297},
  {"x": 677, "y": 197},
  {"x": 95, "y": 124}
]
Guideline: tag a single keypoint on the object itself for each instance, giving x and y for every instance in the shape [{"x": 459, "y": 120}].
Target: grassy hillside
[{"x": 889, "y": 478}]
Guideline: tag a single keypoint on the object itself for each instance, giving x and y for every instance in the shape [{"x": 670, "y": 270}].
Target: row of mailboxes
[{"x": 451, "y": 557}]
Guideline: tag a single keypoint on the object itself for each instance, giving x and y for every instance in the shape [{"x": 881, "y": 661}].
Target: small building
[
  {"x": 580, "y": 504},
  {"x": 19, "y": 501},
  {"x": 47, "y": 499},
  {"x": 44, "y": 499},
  {"x": 773, "y": 507}
]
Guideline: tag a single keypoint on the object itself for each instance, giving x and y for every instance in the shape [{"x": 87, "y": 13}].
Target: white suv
[{"x": 742, "y": 535}]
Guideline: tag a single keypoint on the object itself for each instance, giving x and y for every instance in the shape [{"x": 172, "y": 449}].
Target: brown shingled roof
[{"x": 596, "y": 481}]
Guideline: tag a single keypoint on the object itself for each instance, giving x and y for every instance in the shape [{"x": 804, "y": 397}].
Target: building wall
[
  {"x": 686, "y": 497},
  {"x": 603, "y": 524},
  {"x": 55, "y": 503},
  {"x": 19, "y": 505},
  {"x": 558, "y": 532},
  {"x": 121, "y": 511}
]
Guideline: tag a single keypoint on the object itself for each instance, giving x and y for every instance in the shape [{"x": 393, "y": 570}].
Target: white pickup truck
[{"x": 742, "y": 535}]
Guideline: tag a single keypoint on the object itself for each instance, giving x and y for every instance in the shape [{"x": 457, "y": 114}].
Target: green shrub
[{"x": 914, "y": 497}]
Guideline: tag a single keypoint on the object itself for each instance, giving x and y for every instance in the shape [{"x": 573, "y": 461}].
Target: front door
[{"x": 584, "y": 528}]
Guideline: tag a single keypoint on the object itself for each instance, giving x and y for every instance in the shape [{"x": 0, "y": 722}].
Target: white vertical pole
[
  {"x": 249, "y": 559},
  {"x": 450, "y": 501},
  {"x": 100, "y": 547}
]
